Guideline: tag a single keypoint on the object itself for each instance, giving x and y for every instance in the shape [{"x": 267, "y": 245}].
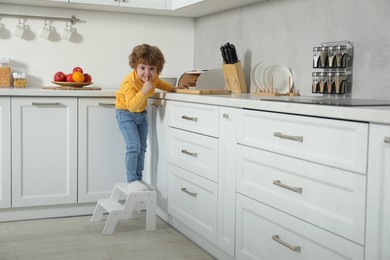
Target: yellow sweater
[{"x": 129, "y": 97}]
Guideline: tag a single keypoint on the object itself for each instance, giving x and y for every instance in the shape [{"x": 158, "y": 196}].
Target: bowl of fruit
[{"x": 76, "y": 79}]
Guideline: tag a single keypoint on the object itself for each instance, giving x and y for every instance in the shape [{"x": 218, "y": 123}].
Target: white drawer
[
  {"x": 197, "y": 118},
  {"x": 336, "y": 143},
  {"x": 194, "y": 152},
  {"x": 329, "y": 198},
  {"x": 259, "y": 226},
  {"x": 193, "y": 201}
]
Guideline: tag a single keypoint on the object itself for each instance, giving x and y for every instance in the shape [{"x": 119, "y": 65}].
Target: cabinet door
[
  {"x": 5, "y": 153},
  {"x": 226, "y": 179},
  {"x": 378, "y": 194},
  {"x": 44, "y": 151},
  {"x": 101, "y": 149},
  {"x": 156, "y": 158}
]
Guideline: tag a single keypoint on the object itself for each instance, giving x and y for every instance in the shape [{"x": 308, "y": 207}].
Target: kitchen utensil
[{"x": 229, "y": 54}]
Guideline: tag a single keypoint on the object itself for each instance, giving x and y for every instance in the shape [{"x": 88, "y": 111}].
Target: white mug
[
  {"x": 19, "y": 30},
  {"x": 45, "y": 33},
  {"x": 66, "y": 34}
]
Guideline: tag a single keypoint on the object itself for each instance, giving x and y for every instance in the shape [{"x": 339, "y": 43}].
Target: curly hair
[{"x": 148, "y": 55}]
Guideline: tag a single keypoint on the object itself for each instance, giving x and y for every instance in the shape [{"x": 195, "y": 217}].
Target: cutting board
[{"x": 203, "y": 91}]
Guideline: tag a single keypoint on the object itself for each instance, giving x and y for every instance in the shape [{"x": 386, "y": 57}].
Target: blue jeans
[{"x": 134, "y": 128}]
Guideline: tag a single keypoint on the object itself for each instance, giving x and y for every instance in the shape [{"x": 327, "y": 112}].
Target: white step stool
[{"x": 125, "y": 204}]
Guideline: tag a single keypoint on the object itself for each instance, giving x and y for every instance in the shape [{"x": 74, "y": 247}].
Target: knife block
[{"x": 234, "y": 77}]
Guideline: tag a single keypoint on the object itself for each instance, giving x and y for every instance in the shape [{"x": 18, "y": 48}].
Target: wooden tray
[{"x": 203, "y": 91}]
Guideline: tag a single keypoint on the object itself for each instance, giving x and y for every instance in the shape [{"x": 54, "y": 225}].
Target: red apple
[
  {"x": 69, "y": 77},
  {"x": 78, "y": 69},
  {"x": 59, "y": 76},
  {"x": 87, "y": 77}
]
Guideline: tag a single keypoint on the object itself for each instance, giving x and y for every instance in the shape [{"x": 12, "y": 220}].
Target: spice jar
[
  {"x": 322, "y": 81},
  {"x": 315, "y": 84},
  {"x": 331, "y": 56},
  {"x": 330, "y": 83},
  {"x": 339, "y": 82},
  {"x": 324, "y": 57},
  {"x": 341, "y": 56},
  {"x": 316, "y": 57},
  {"x": 19, "y": 80}
]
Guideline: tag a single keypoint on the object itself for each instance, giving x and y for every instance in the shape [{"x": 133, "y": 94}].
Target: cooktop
[{"x": 329, "y": 101}]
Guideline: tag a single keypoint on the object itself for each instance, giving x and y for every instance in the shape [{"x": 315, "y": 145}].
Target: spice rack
[{"x": 333, "y": 65}]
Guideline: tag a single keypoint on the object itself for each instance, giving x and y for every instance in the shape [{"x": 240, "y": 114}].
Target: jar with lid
[
  {"x": 323, "y": 57},
  {"x": 330, "y": 83},
  {"x": 19, "y": 80},
  {"x": 341, "y": 56},
  {"x": 339, "y": 82},
  {"x": 315, "y": 82},
  {"x": 316, "y": 57},
  {"x": 331, "y": 57},
  {"x": 322, "y": 81}
]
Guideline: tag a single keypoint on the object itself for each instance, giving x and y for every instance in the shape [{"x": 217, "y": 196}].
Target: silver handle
[
  {"x": 189, "y": 153},
  {"x": 156, "y": 105},
  {"x": 226, "y": 116},
  {"x": 193, "y": 194},
  {"x": 294, "y": 189},
  {"x": 195, "y": 119},
  {"x": 45, "y": 104},
  {"x": 107, "y": 104},
  {"x": 293, "y": 248},
  {"x": 386, "y": 140},
  {"x": 289, "y": 137}
]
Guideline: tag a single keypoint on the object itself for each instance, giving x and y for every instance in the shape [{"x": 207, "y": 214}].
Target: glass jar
[
  {"x": 341, "y": 56},
  {"x": 19, "y": 80},
  {"x": 323, "y": 57},
  {"x": 316, "y": 57},
  {"x": 331, "y": 57},
  {"x": 339, "y": 82},
  {"x": 315, "y": 82},
  {"x": 322, "y": 81},
  {"x": 330, "y": 83}
]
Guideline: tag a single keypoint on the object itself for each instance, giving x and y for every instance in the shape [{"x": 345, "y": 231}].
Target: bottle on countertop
[{"x": 5, "y": 72}]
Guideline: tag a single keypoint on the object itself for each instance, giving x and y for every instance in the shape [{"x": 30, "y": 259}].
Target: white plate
[
  {"x": 262, "y": 77},
  {"x": 280, "y": 75},
  {"x": 253, "y": 74},
  {"x": 258, "y": 73}
]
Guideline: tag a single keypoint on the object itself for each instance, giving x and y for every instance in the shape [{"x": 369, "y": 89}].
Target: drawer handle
[
  {"x": 156, "y": 105},
  {"x": 289, "y": 137},
  {"x": 293, "y": 248},
  {"x": 294, "y": 189},
  {"x": 192, "y": 194},
  {"x": 225, "y": 116},
  {"x": 46, "y": 104},
  {"x": 386, "y": 140},
  {"x": 195, "y": 119},
  {"x": 107, "y": 104},
  {"x": 189, "y": 153}
]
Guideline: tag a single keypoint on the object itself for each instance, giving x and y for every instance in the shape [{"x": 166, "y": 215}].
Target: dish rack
[{"x": 271, "y": 91}]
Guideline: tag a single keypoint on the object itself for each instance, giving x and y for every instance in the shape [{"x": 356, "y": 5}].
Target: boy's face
[{"x": 146, "y": 72}]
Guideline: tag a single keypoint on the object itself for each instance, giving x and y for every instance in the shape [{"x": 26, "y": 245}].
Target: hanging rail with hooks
[{"x": 72, "y": 19}]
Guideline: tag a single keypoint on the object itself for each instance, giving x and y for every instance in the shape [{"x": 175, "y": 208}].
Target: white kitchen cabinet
[
  {"x": 5, "y": 153},
  {"x": 156, "y": 153},
  {"x": 265, "y": 233},
  {"x": 147, "y": 4},
  {"x": 101, "y": 149},
  {"x": 378, "y": 194},
  {"x": 44, "y": 151}
]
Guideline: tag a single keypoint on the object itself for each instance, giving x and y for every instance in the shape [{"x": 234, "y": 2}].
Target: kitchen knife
[
  {"x": 234, "y": 53},
  {"x": 228, "y": 53},
  {"x": 223, "y": 52}
]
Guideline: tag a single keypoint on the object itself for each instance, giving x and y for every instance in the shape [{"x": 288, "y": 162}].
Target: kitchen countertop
[{"x": 374, "y": 114}]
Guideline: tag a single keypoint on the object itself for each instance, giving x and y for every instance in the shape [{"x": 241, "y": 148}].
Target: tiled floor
[{"x": 78, "y": 238}]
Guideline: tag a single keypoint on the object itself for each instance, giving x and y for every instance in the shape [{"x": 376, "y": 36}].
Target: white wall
[
  {"x": 101, "y": 46},
  {"x": 285, "y": 31}
]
